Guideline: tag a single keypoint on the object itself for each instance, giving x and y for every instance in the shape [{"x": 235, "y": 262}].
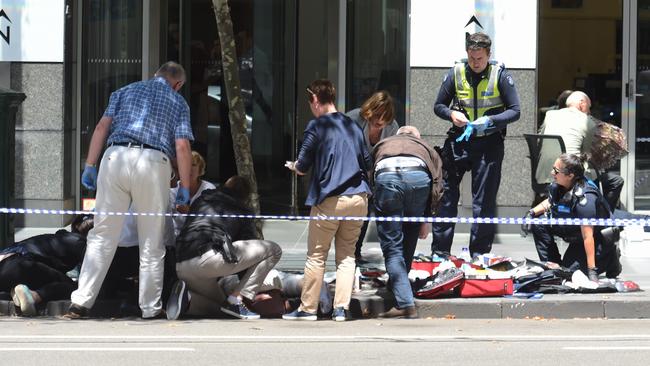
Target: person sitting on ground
[
  {"x": 197, "y": 186},
  {"x": 34, "y": 270},
  {"x": 572, "y": 195},
  {"x": 210, "y": 247},
  {"x": 375, "y": 117}
]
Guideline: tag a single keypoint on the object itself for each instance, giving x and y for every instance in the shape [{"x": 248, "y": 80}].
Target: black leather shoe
[{"x": 76, "y": 312}]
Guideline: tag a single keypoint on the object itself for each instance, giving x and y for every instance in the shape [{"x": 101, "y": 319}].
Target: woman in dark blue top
[{"x": 334, "y": 149}]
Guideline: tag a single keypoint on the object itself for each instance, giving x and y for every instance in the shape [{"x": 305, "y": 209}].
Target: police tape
[{"x": 416, "y": 219}]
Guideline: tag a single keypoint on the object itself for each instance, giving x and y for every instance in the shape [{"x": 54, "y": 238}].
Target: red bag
[
  {"x": 443, "y": 283},
  {"x": 430, "y": 266},
  {"x": 486, "y": 287}
]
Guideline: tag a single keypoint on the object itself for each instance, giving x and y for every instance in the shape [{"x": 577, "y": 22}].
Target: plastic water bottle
[{"x": 464, "y": 255}]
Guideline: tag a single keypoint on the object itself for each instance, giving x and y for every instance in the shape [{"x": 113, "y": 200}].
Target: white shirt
[{"x": 129, "y": 235}]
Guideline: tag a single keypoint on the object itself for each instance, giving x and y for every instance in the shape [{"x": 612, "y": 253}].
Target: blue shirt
[
  {"x": 334, "y": 148},
  {"x": 149, "y": 112}
]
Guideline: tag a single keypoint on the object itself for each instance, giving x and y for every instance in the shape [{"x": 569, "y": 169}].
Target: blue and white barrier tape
[{"x": 455, "y": 220}]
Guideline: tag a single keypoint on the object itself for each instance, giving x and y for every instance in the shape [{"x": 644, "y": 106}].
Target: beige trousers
[{"x": 345, "y": 234}]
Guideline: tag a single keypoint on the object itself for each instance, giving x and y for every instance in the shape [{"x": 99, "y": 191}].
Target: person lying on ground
[{"x": 34, "y": 270}]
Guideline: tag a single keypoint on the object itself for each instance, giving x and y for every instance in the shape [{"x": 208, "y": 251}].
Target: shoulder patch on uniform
[{"x": 510, "y": 81}]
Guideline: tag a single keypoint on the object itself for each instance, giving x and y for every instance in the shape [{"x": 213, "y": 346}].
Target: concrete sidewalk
[{"x": 292, "y": 237}]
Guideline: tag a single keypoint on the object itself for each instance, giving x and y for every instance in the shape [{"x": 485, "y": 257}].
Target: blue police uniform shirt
[
  {"x": 506, "y": 87},
  {"x": 334, "y": 148},
  {"x": 149, "y": 112}
]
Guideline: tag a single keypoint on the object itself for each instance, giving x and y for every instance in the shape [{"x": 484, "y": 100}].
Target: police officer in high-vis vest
[{"x": 479, "y": 97}]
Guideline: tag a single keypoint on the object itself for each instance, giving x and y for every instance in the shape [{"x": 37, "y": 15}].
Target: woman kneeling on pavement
[{"x": 573, "y": 196}]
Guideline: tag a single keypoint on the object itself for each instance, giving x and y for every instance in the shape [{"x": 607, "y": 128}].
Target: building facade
[{"x": 405, "y": 47}]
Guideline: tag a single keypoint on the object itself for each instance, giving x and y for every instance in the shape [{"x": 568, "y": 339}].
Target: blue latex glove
[
  {"x": 481, "y": 124},
  {"x": 466, "y": 134},
  {"x": 183, "y": 196},
  {"x": 89, "y": 177}
]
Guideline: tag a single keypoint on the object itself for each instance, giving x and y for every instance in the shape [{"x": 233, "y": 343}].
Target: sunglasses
[
  {"x": 477, "y": 44},
  {"x": 557, "y": 171}
]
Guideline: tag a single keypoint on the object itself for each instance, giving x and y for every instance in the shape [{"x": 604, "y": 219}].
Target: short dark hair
[
  {"x": 574, "y": 164},
  {"x": 561, "y": 99},
  {"x": 171, "y": 70},
  {"x": 478, "y": 41},
  {"x": 323, "y": 90},
  {"x": 239, "y": 186},
  {"x": 81, "y": 224}
]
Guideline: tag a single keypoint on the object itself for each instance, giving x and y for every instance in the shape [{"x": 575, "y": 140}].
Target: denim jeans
[{"x": 398, "y": 195}]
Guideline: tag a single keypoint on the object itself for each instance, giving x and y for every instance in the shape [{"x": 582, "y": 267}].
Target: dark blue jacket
[
  {"x": 333, "y": 147},
  {"x": 507, "y": 90}
]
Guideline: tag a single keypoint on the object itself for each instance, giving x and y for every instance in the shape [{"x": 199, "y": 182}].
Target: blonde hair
[
  {"x": 198, "y": 160},
  {"x": 379, "y": 105}
]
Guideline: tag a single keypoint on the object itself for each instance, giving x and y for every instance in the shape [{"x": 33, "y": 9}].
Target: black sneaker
[
  {"x": 179, "y": 300},
  {"x": 239, "y": 311},
  {"x": 76, "y": 312},
  {"x": 339, "y": 314},
  {"x": 300, "y": 315}
]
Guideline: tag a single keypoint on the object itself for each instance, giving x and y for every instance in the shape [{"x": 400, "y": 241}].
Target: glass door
[
  {"x": 264, "y": 34},
  {"x": 636, "y": 104}
]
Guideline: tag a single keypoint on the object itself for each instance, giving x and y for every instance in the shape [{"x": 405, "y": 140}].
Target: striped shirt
[{"x": 149, "y": 112}]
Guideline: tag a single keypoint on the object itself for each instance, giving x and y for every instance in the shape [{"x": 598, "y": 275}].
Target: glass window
[
  {"x": 376, "y": 52},
  {"x": 264, "y": 39},
  {"x": 111, "y": 58}
]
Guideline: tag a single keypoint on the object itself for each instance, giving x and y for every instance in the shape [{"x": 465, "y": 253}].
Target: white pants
[{"x": 140, "y": 177}]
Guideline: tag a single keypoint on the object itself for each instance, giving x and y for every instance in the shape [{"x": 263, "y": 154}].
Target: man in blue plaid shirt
[{"x": 145, "y": 125}]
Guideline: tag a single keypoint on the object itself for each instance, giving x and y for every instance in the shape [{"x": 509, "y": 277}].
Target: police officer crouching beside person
[
  {"x": 480, "y": 99},
  {"x": 571, "y": 195},
  {"x": 408, "y": 183}
]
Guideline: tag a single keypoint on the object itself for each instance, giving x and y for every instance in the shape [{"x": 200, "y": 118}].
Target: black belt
[
  {"x": 401, "y": 169},
  {"x": 139, "y": 146}
]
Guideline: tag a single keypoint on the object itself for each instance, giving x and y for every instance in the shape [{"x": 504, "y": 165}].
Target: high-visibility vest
[{"x": 487, "y": 94}]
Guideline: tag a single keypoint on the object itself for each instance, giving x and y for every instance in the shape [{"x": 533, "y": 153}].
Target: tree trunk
[{"x": 236, "y": 114}]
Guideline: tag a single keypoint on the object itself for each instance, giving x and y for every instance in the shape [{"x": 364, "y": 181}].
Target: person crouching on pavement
[
  {"x": 571, "y": 195},
  {"x": 333, "y": 147},
  {"x": 210, "y": 247},
  {"x": 408, "y": 183}
]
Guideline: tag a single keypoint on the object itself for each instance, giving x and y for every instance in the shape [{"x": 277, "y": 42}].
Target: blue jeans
[{"x": 398, "y": 195}]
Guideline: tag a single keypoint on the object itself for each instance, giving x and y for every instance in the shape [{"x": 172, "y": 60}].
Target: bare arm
[
  {"x": 98, "y": 140},
  {"x": 590, "y": 247},
  {"x": 541, "y": 208}
]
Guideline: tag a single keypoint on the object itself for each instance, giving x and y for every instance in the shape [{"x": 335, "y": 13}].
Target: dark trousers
[
  {"x": 612, "y": 184},
  {"x": 483, "y": 157},
  {"x": 574, "y": 257},
  {"x": 49, "y": 283},
  {"x": 364, "y": 229}
]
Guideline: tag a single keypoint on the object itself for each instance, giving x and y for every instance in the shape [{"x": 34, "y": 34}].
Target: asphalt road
[{"x": 368, "y": 342}]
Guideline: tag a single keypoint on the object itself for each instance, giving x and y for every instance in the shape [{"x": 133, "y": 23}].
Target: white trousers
[{"x": 128, "y": 175}]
